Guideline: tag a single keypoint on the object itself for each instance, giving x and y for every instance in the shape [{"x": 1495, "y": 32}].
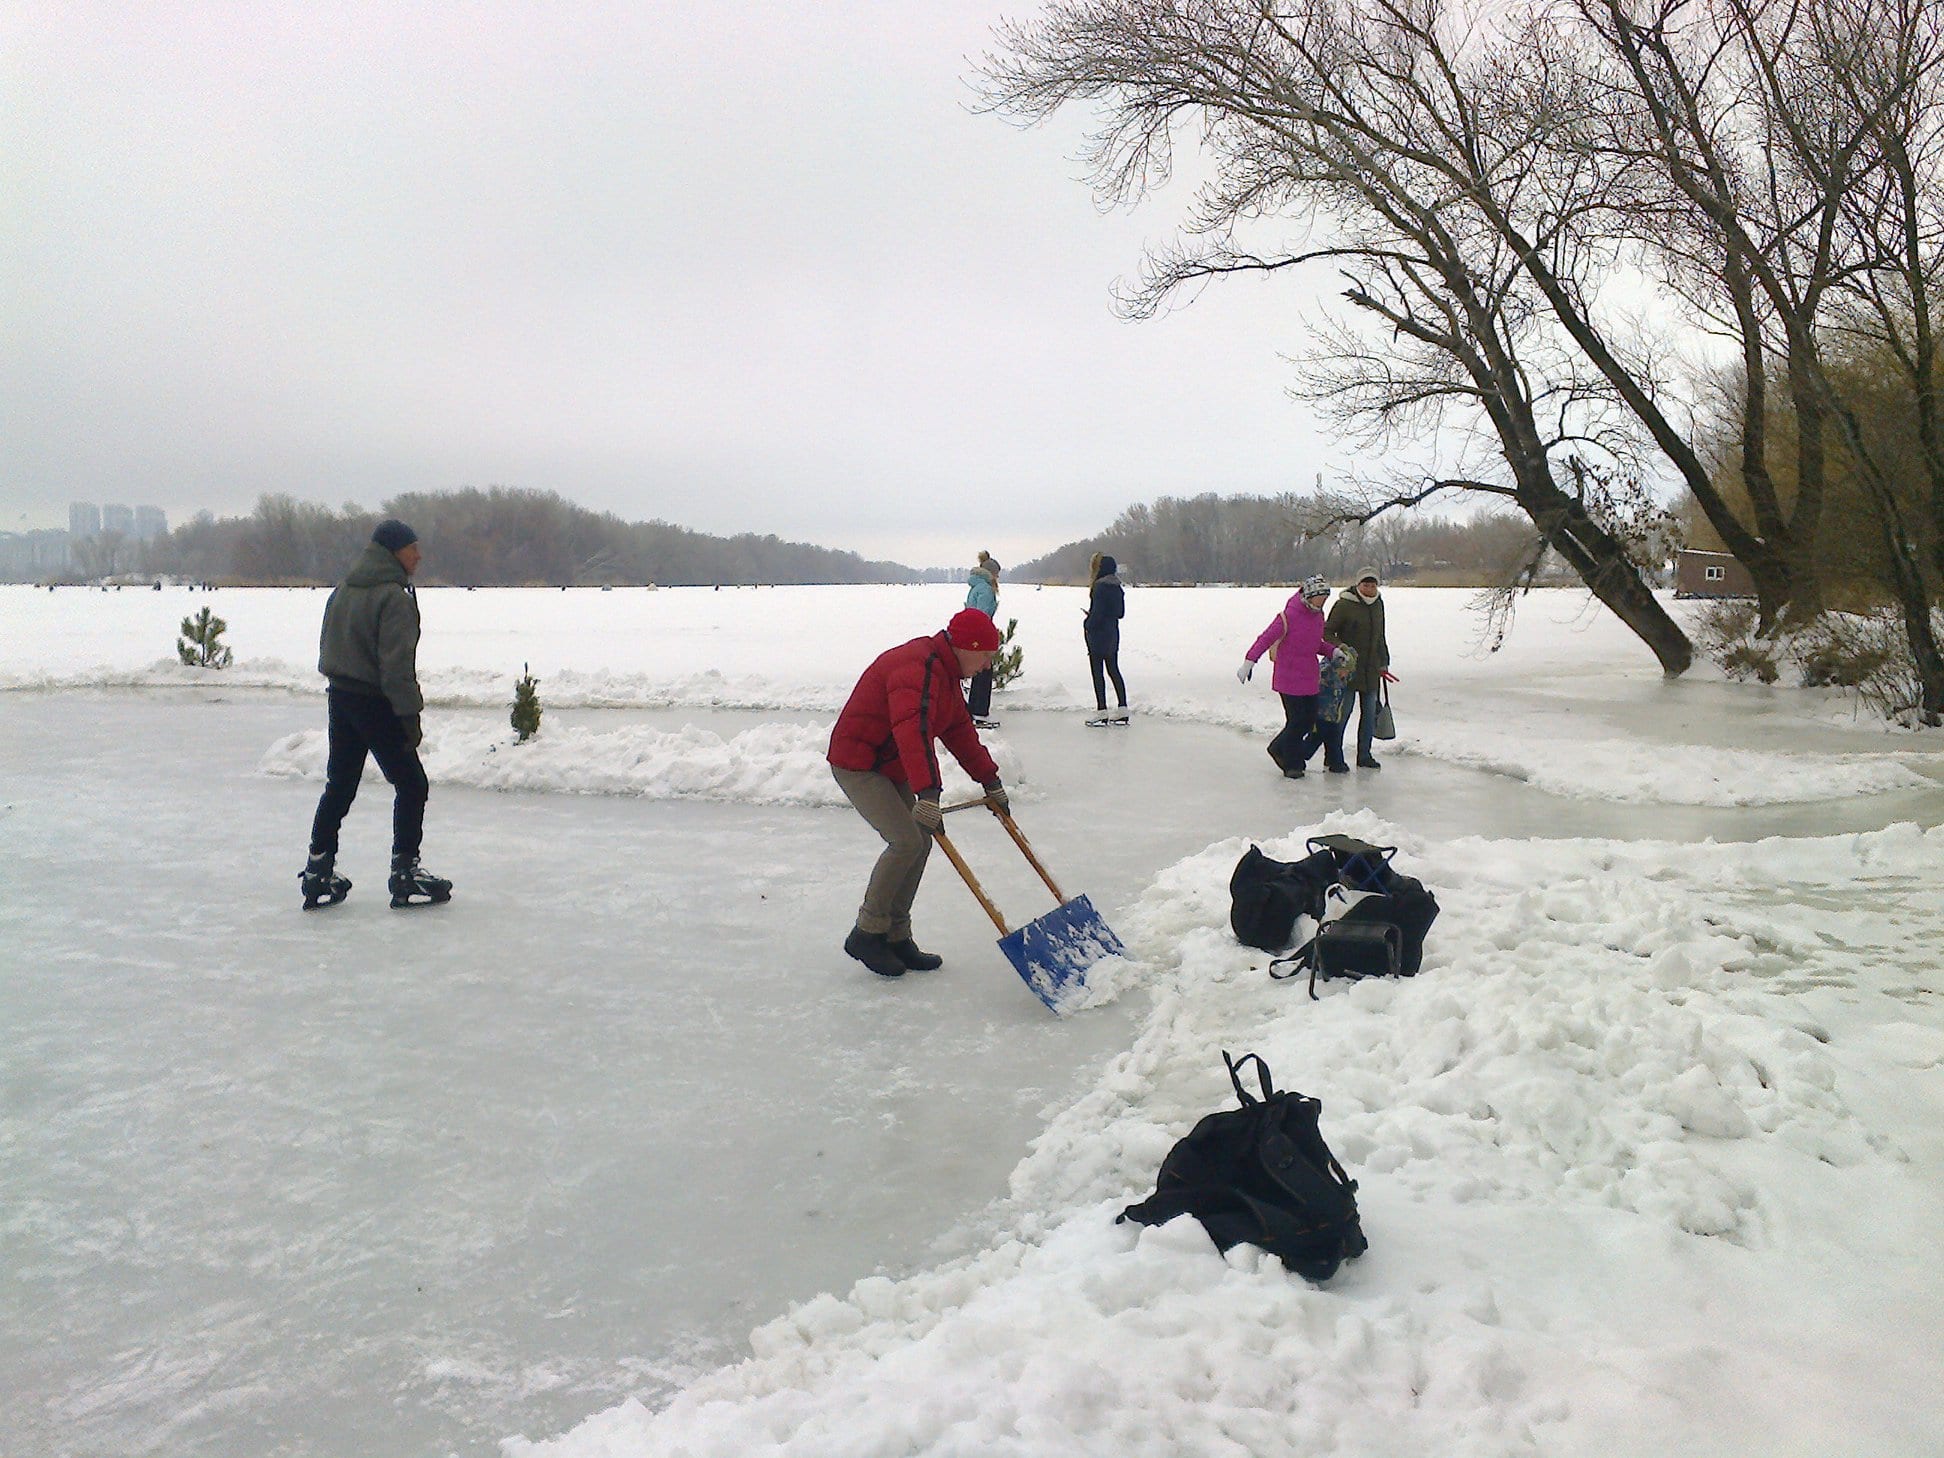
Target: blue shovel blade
[{"x": 1053, "y": 952}]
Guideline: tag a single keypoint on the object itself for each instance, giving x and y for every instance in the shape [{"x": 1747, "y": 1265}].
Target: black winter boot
[
  {"x": 916, "y": 958},
  {"x": 320, "y": 882},
  {"x": 873, "y": 949},
  {"x": 412, "y": 885}
]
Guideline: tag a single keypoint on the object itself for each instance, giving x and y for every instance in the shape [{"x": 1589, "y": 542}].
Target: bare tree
[
  {"x": 1408, "y": 146},
  {"x": 1881, "y": 63}
]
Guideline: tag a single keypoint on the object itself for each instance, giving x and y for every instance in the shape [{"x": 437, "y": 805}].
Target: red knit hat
[{"x": 974, "y": 631}]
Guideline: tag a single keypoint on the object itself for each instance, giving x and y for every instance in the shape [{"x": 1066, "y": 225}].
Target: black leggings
[
  {"x": 360, "y": 724},
  {"x": 1103, "y": 655},
  {"x": 1299, "y": 722},
  {"x": 978, "y": 697}
]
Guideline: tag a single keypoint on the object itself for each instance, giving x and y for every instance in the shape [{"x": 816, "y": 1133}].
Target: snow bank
[
  {"x": 1605, "y": 1142},
  {"x": 1571, "y": 704},
  {"x": 770, "y": 764}
]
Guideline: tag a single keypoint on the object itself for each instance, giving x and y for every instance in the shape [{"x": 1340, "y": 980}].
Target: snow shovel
[{"x": 1053, "y": 952}]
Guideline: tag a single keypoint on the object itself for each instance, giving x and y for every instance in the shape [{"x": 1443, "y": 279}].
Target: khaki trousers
[{"x": 893, "y": 886}]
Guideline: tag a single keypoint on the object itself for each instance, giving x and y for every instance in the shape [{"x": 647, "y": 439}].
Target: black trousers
[
  {"x": 1299, "y": 720},
  {"x": 361, "y": 725},
  {"x": 978, "y": 696},
  {"x": 1103, "y": 656}
]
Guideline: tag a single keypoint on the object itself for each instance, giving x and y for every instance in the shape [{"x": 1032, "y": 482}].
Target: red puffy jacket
[{"x": 907, "y": 698}]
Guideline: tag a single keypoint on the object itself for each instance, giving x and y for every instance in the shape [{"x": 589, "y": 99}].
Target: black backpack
[
  {"x": 1267, "y": 895},
  {"x": 1262, "y": 1174}
]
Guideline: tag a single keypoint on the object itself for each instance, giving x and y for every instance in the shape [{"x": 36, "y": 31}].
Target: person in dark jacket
[
  {"x": 368, "y": 653},
  {"x": 982, "y": 592},
  {"x": 1106, "y": 606},
  {"x": 1357, "y": 621},
  {"x": 883, "y": 757}
]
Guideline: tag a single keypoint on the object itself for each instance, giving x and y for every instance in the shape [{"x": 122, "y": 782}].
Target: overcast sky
[{"x": 749, "y": 267}]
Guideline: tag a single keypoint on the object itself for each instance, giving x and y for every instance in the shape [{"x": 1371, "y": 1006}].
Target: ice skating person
[
  {"x": 1106, "y": 606},
  {"x": 883, "y": 757},
  {"x": 368, "y": 651},
  {"x": 1295, "y": 641},
  {"x": 982, "y": 592},
  {"x": 1357, "y": 621}
]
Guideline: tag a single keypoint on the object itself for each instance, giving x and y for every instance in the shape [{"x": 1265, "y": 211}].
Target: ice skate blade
[
  {"x": 312, "y": 903},
  {"x": 417, "y": 899}
]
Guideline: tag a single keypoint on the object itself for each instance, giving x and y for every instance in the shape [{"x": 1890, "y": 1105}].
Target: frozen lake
[{"x": 362, "y": 1182}]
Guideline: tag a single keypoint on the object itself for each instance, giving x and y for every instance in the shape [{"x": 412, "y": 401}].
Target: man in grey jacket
[{"x": 368, "y": 651}]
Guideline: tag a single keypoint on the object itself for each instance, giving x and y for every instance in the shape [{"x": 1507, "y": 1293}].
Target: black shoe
[
  {"x": 412, "y": 885},
  {"x": 915, "y": 957},
  {"x": 873, "y": 949},
  {"x": 1364, "y": 761},
  {"x": 1338, "y": 768},
  {"x": 1293, "y": 772},
  {"x": 320, "y": 882}
]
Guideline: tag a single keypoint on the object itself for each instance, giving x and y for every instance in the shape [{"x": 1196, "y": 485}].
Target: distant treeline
[
  {"x": 1264, "y": 539},
  {"x": 498, "y": 537}
]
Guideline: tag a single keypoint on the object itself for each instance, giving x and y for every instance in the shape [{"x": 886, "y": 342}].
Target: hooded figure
[
  {"x": 368, "y": 653},
  {"x": 982, "y": 592},
  {"x": 982, "y": 586},
  {"x": 1106, "y": 606}
]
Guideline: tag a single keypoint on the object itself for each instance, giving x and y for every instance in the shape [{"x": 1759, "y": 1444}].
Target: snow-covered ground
[{"x": 1649, "y": 1155}]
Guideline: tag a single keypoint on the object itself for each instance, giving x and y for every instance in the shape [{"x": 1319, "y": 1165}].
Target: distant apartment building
[
  {"x": 140, "y": 524},
  {"x": 30, "y": 556}
]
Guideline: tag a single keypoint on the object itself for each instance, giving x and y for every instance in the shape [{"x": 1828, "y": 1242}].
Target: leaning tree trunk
[{"x": 1609, "y": 574}]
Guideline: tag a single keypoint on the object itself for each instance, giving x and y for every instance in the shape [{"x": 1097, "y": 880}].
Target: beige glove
[
  {"x": 930, "y": 818},
  {"x": 997, "y": 798}
]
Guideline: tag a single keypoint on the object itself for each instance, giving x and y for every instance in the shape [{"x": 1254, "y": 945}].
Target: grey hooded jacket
[{"x": 369, "y": 643}]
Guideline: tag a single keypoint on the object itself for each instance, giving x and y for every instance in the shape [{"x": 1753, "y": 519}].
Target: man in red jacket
[{"x": 883, "y": 756}]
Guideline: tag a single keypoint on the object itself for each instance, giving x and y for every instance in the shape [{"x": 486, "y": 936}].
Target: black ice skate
[
  {"x": 978, "y": 723},
  {"x": 412, "y": 885},
  {"x": 321, "y": 884}
]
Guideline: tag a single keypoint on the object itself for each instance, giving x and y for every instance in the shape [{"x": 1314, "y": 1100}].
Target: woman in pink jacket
[{"x": 1297, "y": 642}]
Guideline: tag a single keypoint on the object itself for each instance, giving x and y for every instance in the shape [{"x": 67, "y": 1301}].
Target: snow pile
[
  {"x": 1634, "y": 772},
  {"x": 1606, "y": 1141},
  {"x": 770, "y": 764}
]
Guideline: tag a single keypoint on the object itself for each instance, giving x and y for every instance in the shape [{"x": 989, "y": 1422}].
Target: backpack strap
[
  {"x": 1294, "y": 960},
  {"x": 1235, "y": 1066}
]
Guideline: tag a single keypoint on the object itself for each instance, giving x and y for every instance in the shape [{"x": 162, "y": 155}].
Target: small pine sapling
[
  {"x": 200, "y": 645},
  {"x": 526, "y": 705},
  {"x": 1007, "y": 663}
]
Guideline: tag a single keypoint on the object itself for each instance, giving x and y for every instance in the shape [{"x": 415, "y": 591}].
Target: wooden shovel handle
[
  {"x": 1020, "y": 840},
  {"x": 971, "y": 881}
]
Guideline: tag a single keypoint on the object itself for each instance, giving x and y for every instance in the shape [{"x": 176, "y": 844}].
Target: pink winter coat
[{"x": 1299, "y": 629}]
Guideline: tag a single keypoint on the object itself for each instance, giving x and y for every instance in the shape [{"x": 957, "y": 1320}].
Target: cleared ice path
[{"x": 365, "y": 1183}]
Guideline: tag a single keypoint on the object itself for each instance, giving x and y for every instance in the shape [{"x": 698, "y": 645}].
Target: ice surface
[{"x": 1648, "y": 1154}]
